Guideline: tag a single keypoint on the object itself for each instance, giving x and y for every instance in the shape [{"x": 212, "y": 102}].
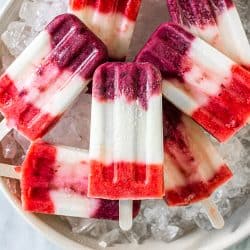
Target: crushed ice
[
  {"x": 33, "y": 16},
  {"x": 155, "y": 219}
]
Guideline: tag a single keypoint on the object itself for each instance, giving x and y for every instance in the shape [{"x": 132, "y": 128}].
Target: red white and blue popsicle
[
  {"x": 54, "y": 180},
  {"x": 193, "y": 169},
  {"x": 113, "y": 21},
  {"x": 46, "y": 78},
  {"x": 215, "y": 21},
  {"x": 200, "y": 80},
  {"x": 126, "y": 149}
]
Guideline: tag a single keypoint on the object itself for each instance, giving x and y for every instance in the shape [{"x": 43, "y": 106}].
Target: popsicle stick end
[
  {"x": 213, "y": 214},
  {"x": 126, "y": 214}
]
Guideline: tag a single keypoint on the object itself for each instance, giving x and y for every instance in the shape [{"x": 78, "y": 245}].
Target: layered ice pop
[
  {"x": 113, "y": 21},
  {"x": 200, "y": 80},
  {"x": 126, "y": 149},
  {"x": 215, "y": 21},
  {"x": 47, "y": 77},
  {"x": 54, "y": 180},
  {"x": 193, "y": 168}
]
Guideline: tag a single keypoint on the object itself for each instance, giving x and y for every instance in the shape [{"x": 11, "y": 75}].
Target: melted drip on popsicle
[
  {"x": 126, "y": 75},
  {"x": 129, "y": 8}
]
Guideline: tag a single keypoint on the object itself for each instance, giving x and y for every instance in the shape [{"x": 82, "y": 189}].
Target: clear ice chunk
[
  {"x": 37, "y": 14},
  {"x": 17, "y": 37},
  {"x": 77, "y": 122},
  {"x": 9, "y": 147}
]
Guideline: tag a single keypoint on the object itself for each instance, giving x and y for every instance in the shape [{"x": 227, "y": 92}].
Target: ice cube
[
  {"x": 81, "y": 225},
  {"x": 102, "y": 227},
  {"x": 232, "y": 151},
  {"x": 156, "y": 211},
  {"x": 22, "y": 141},
  {"x": 139, "y": 232},
  {"x": 202, "y": 221},
  {"x": 167, "y": 234},
  {"x": 190, "y": 212},
  {"x": 112, "y": 237},
  {"x": 74, "y": 127},
  {"x": 224, "y": 207},
  {"x": 37, "y": 14},
  {"x": 232, "y": 191},
  {"x": 9, "y": 147},
  {"x": 217, "y": 195},
  {"x": 17, "y": 37},
  {"x": 57, "y": 8}
]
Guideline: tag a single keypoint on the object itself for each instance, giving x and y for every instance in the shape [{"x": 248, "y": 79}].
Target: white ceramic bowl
[{"x": 58, "y": 231}]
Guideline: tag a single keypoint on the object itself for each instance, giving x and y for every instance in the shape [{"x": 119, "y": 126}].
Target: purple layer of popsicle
[
  {"x": 145, "y": 75},
  {"x": 166, "y": 49},
  {"x": 80, "y": 51},
  {"x": 197, "y": 12}
]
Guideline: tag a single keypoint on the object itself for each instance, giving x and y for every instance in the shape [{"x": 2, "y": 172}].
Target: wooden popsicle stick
[
  {"x": 213, "y": 214},
  {"x": 9, "y": 171},
  {"x": 125, "y": 214},
  {"x": 4, "y": 129}
]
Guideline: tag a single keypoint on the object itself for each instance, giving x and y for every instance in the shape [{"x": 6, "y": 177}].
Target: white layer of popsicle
[{"x": 122, "y": 131}]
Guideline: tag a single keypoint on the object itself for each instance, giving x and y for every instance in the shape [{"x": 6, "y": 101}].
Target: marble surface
[{"x": 17, "y": 234}]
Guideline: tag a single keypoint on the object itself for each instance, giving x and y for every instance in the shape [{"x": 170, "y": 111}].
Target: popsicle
[
  {"x": 54, "y": 180},
  {"x": 47, "y": 77},
  {"x": 126, "y": 151},
  {"x": 215, "y": 21},
  {"x": 200, "y": 80},
  {"x": 113, "y": 21},
  {"x": 193, "y": 168}
]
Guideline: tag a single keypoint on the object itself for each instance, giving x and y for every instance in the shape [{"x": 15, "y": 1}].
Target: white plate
[{"x": 58, "y": 231}]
